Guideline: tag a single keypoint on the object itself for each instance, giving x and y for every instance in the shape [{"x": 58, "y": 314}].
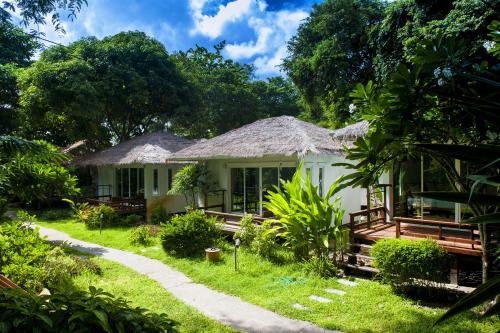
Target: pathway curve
[{"x": 226, "y": 309}]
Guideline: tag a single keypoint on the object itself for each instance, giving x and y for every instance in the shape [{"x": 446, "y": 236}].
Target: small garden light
[{"x": 236, "y": 246}]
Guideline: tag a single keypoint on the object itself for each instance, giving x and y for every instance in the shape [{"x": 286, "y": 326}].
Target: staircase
[{"x": 358, "y": 260}]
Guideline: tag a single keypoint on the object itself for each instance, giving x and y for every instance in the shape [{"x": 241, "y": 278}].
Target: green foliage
[
  {"x": 331, "y": 51},
  {"x": 322, "y": 267},
  {"x": 131, "y": 220},
  {"x": 191, "y": 180},
  {"x": 227, "y": 94},
  {"x": 264, "y": 241},
  {"x": 160, "y": 215},
  {"x": 55, "y": 214},
  {"x": 404, "y": 263},
  {"x": 127, "y": 86},
  {"x": 190, "y": 234},
  {"x": 92, "y": 216},
  {"x": 76, "y": 311},
  {"x": 247, "y": 232},
  {"x": 33, "y": 263},
  {"x": 141, "y": 235},
  {"x": 37, "y": 11},
  {"x": 311, "y": 224}
]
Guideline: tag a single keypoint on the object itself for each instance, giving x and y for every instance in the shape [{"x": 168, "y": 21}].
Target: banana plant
[{"x": 311, "y": 224}]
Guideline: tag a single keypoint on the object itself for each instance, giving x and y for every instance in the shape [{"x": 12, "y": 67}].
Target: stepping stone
[
  {"x": 335, "y": 291},
  {"x": 300, "y": 307},
  {"x": 320, "y": 299},
  {"x": 347, "y": 282}
]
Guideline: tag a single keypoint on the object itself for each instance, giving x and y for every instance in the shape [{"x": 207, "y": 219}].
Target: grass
[
  {"x": 146, "y": 293},
  {"x": 368, "y": 307}
]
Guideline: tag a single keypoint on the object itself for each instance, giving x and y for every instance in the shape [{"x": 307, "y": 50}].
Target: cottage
[
  {"x": 248, "y": 161},
  {"x": 135, "y": 170}
]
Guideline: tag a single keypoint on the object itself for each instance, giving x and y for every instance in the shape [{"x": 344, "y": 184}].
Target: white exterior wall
[
  {"x": 173, "y": 203},
  {"x": 351, "y": 198}
]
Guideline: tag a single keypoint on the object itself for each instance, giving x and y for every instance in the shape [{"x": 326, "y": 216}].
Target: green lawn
[
  {"x": 368, "y": 307},
  {"x": 144, "y": 292}
]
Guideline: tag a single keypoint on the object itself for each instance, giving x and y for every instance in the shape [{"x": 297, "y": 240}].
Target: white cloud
[
  {"x": 234, "y": 11},
  {"x": 273, "y": 30}
]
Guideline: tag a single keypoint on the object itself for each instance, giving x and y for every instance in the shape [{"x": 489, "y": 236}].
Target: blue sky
[{"x": 256, "y": 31}]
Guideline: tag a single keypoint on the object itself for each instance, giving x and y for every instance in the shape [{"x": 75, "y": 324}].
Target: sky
[{"x": 255, "y": 31}]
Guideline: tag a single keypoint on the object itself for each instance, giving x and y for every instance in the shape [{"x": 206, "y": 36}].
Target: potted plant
[{"x": 213, "y": 254}]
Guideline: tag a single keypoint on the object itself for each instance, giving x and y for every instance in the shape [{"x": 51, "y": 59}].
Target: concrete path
[{"x": 229, "y": 310}]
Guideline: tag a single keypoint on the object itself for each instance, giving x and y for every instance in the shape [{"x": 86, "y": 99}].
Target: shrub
[
  {"x": 322, "y": 267},
  {"x": 264, "y": 242},
  {"x": 404, "y": 262},
  {"x": 55, "y": 214},
  {"x": 76, "y": 311},
  {"x": 190, "y": 234},
  {"x": 141, "y": 235},
  {"x": 31, "y": 262},
  {"x": 131, "y": 220},
  {"x": 159, "y": 215},
  {"x": 92, "y": 218},
  {"x": 247, "y": 232}
]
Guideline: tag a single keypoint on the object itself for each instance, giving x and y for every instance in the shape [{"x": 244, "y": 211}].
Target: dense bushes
[
  {"x": 190, "y": 234},
  {"x": 75, "y": 311},
  {"x": 247, "y": 232},
  {"x": 159, "y": 215},
  {"x": 141, "y": 235},
  {"x": 92, "y": 216},
  {"x": 322, "y": 267},
  {"x": 33, "y": 263},
  {"x": 405, "y": 263}
]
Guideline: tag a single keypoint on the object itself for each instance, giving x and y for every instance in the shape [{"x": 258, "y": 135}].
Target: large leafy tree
[
  {"x": 102, "y": 90},
  {"x": 330, "y": 53},
  {"x": 16, "y": 50},
  {"x": 227, "y": 96}
]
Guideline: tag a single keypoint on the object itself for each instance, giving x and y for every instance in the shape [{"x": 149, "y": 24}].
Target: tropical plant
[
  {"x": 160, "y": 215},
  {"x": 248, "y": 230},
  {"x": 141, "y": 235},
  {"x": 191, "y": 181},
  {"x": 322, "y": 267},
  {"x": 310, "y": 223},
  {"x": 264, "y": 240},
  {"x": 76, "y": 311}
]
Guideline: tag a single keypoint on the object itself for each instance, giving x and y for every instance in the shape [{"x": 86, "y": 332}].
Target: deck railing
[
  {"x": 380, "y": 215},
  {"x": 439, "y": 226},
  {"x": 122, "y": 205}
]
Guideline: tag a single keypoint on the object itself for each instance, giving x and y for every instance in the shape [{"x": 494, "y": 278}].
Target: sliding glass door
[
  {"x": 129, "y": 182},
  {"x": 249, "y": 186}
]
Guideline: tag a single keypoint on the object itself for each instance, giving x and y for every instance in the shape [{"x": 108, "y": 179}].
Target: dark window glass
[
  {"x": 252, "y": 196},
  {"x": 134, "y": 185},
  {"x": 269, "y": 180},
  {"x": 237, "y": 189},
  {"x": 126, "y": 183},
  {"x": 141, "y": 181},
  {"x": 155, "y": 182},
  {"x": 119, "y": 184},
  {"x": 170, "y": 178},
  {"x": 320, "y": 181}
]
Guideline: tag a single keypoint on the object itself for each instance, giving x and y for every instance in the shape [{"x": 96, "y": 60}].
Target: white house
[
  {"x": 248, "y": 161},
  {"x": 136, "y": 169}
]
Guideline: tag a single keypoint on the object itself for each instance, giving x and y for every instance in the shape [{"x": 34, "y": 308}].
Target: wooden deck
[
  {"x": 231, "y": 221},
  {"x": 453, "y": 240},
  {"x": 121, "y": 205}
]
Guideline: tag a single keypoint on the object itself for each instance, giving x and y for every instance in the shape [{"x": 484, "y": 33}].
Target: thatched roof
[
  {"x": 279, "y": 136},
  {"x": 351, "y": 132},
  {"x": 145, "y": 149}
]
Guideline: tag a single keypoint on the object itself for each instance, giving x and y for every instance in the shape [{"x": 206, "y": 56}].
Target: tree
[
  {"x": 226, "y": 94},
  {"x": 330, "y": 53},
  {"x": 102, "y": 90},
  {"x": 16, "y": 50},
  {"x": 35, "y": 11}
]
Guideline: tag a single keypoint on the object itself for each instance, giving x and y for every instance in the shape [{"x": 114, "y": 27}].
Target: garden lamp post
[{"x": 236, "y": 246}]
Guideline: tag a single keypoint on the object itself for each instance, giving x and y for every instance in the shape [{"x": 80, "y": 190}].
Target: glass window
[
  {"x": 434, "y": 179},
  {"x": 320, "y": 181},
  {"x": 118, "y": 177},
  {"x": 287, "y": 173},
  {"x": 134, "y": 182},
  {"x": 126, "y": 183},
  {"x": 141, "y": 181},
  {"x": 155, "y": 182},
  {"x": 252, "y": 195},
  {"x": 169, "y": 179},
  {"x": 237, "y": 189}
]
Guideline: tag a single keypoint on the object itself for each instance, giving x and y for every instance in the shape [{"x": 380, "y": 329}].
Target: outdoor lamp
[{"x": 236, "y": 246}]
